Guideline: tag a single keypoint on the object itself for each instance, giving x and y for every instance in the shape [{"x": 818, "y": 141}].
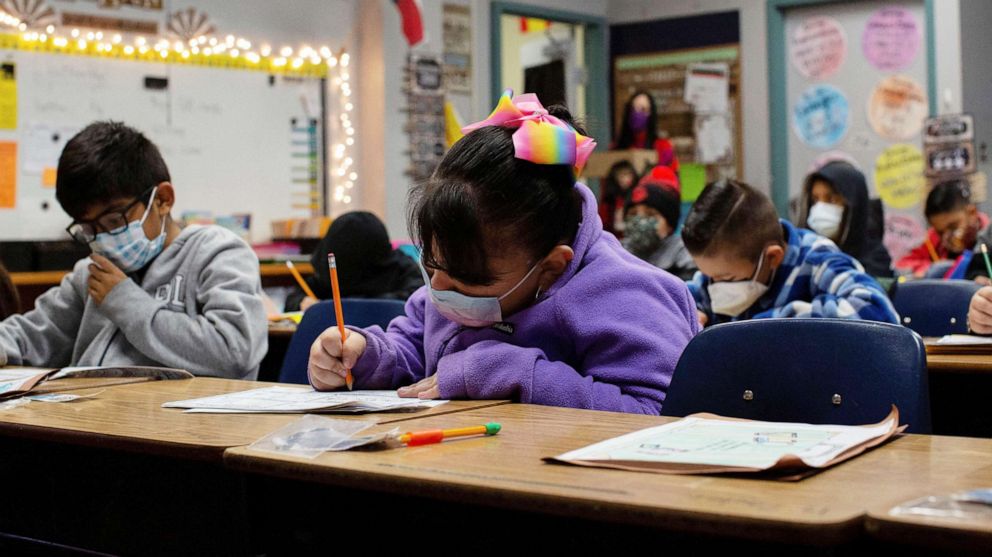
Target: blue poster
[{"x": 820, "y": 117}]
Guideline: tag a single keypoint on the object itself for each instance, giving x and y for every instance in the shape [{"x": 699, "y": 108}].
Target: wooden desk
[
  {"x": 281, "y": 329},
  {"x": 52, "y": 278},
  {"x": 117, "y": 473},
  {"x": 38, "y": 278},
  {"x": 951, "y": 465},
  {"x": 131, "y": 417},
  {"x": 975, "y": 364},
  {"x": 30, "y": 285},
  {"x": 506, "y": 472},
  {"x": 268, "y": 270}
]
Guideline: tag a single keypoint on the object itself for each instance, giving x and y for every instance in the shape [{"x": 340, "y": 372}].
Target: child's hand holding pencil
[{"x": 330, "y": 359}]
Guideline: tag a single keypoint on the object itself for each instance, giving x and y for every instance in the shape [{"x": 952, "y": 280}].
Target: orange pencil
[
  {"x": 299, "y": 279},
  {"x": 338, "y": 310},
  {"x": 933, "y": 252},
  {"x": 415, "y": 438}
]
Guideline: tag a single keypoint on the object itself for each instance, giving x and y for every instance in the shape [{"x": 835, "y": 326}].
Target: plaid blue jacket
[{"x": 815, "y": 279}]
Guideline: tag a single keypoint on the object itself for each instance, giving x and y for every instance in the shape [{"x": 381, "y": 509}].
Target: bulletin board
[
  {"x": 857, "y": 87},
  {"x": 690, "y": 127},
  {"x": 234, "y": 141}
]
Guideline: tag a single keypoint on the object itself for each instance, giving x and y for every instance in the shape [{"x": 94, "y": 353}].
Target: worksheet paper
[{"x": 302, "y": 399}]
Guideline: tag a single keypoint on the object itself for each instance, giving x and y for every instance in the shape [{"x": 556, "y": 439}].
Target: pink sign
[
  {"x": 902, "y": 234},
  {"x": 818, "y": 47},
  {"x": 891, "y": 39}
]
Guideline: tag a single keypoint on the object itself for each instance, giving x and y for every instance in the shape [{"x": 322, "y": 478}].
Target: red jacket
[{"x": 919, "y": 260}]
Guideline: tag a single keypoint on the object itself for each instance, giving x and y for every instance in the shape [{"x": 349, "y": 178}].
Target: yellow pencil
[
  {"x": 299, "y": 280},
  {"x": 338, "y": 310},
  {"x": 414, "y": 438},
  {"x": 933, "y": 252}
]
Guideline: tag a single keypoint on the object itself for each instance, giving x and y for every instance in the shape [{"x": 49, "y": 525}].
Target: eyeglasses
[{"x": 113, "y": 222}]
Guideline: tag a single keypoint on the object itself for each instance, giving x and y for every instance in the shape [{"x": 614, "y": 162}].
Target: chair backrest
[
  {"x": 938, "y": 270},
  {"x": 820, "y": 371},
  {"x": 320, "y": 317},
  {"x": 934, "y": 307}
]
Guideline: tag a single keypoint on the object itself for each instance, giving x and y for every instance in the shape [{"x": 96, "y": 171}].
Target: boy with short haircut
[
  {"x": 151, "y": 293},
  {"x": 955, "y": 223},
  {"x": 754, "y": 265}
]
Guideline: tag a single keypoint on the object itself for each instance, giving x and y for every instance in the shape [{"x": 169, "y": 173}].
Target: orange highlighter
[
  {"x": 413, "y": 439},
  {"x": 338, "y": 311}
]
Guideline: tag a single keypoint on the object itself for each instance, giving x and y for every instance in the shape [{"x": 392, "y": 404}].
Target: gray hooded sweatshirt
[{"x": 198, "y": 307}]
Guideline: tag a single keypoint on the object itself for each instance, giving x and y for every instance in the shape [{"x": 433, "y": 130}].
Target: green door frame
[
  {"x": 596, "y": 33},
  {"x": 777, "y": 67}
]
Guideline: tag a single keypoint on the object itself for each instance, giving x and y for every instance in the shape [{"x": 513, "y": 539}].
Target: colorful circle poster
[
  {"x": 902, "y": 234},
  {"x": 818, "y": 47},
  {"x": 897, "y": 108},
  {"x": 821, "y": 116},
  {"x": 899, "y": 176},
  {"x": 891, "y": 38}
]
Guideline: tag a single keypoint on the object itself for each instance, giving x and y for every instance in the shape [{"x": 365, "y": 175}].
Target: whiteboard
[
  {"x": 226, "y": 135},
  {"x": 856, "y": 78}
]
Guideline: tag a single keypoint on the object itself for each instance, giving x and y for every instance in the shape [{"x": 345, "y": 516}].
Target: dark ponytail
[{"x": 482, "y": 201}]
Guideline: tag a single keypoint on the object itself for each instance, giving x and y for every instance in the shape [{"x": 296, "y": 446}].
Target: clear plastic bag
[
  {"x": 311, "y": 435},
  {"x": 973, "y": 505}
]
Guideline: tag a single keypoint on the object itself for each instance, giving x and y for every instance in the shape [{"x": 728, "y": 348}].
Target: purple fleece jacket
[{"x": 605, "y": 336}]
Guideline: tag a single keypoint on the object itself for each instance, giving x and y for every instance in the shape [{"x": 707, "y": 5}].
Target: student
[
  {"x": 980, "y": 312},
  {"x": 954, "y": 225},
  {"x": 527, "y": 299},
  {"x": 754, "y": 265},
  {"x": 621, "y": 177},
  {"x": 976, "y": 269},
  {"x": 653, "y": 210},
  {"x": 639, "y": 130},
  {"x": 835, "y": 205},
  {"x": 9, "y": 300},
  {"x": 368, "y": 266},
  {"x": 151, "y": 293}
]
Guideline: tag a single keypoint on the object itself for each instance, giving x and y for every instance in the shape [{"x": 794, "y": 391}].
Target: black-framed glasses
[{"x": 112, "y": 221}]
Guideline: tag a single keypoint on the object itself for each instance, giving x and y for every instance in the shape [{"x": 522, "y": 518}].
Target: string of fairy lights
[{"x": 207, "y": 49}]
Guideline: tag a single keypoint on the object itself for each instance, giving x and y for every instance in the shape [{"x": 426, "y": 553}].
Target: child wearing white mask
[
  {"x": 754, "y": 265},
  {"x": 835, "y": 204},
  {"x": 526, "y": 298},
  {"x": 151, "y": 293}
]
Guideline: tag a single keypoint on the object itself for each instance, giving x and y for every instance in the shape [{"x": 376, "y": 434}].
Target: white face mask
[
  {"x": 470, "y": 311},
  {"x": 733, "y": 297},
  {"x": 825, "y": 219}
]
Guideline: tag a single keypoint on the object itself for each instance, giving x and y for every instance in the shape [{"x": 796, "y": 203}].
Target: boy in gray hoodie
[{"x": 151, "y": 293}]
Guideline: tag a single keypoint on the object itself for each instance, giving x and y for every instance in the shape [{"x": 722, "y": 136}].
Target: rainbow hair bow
[{"x": 540, "y": 138}]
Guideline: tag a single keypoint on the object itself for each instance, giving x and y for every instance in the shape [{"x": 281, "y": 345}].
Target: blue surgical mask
[
  {"x": 130, "y": 249},
  {"x": 470, "y": 311}
]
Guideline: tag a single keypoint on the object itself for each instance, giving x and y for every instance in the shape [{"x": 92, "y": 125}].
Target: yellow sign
[
  {"x": 899, "y": 176},
  {"x": 8, "y": 97}
]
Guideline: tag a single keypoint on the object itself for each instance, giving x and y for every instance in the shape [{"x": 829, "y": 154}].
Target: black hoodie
[
  {"x": 368, "y": 266},
  {"x": 860, "y": 237}
]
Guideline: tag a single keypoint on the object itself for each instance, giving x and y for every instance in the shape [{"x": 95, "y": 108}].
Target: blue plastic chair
[
  {"x": 320, "y": 317},
  {"x": 820, "y": 371},
  {"x": 933, "y": 307}
]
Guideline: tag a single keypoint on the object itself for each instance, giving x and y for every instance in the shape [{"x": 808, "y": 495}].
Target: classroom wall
[
  {"x": 382, "y": 49},
  {"x": 754, "y": 68},
  {"x": 754, "y": 63},
  {"x": 381, "y": 52},
  {"x": 976, "y": 43}
]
